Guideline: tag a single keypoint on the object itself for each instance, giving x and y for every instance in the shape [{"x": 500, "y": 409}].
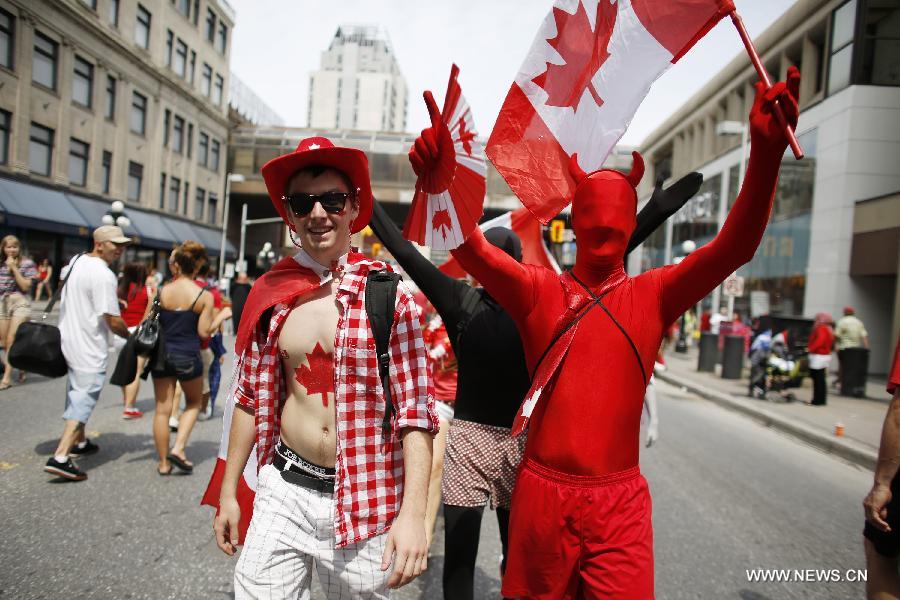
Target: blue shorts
[
  {"x": 82, "y": 392},
  {"x": 182, "y": 367}
]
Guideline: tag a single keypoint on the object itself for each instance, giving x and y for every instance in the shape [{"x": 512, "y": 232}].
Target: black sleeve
[{"x": 444, "y": 292}]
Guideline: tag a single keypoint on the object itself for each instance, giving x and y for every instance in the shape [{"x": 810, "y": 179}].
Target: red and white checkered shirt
[{"x": 369, "y": 482}]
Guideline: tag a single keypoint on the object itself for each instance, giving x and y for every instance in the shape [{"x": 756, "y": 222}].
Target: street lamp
[
  {"x": 229, "y": 179},
  {"x": 687, "y": 246},
  {"x": 116, "y": 215}
]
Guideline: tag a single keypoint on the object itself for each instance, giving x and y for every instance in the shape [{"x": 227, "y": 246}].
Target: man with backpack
[{"x": 332, "y": 387}]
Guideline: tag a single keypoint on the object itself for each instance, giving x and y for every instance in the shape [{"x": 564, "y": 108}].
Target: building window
[
  {"x": 135, "y": 180},
  {"x": 106, "y": 171},
  {"x": 214, "y": 156},
  {"x": 843, "y": 21},
  {"x": 83, "y": 82},
  {"x": 5, "y": 122},
  {"x": 184, "y": 7},
  {"x": 113, "y": 15},
  {"x": 222, "y": 39},
  {"x": 192, "y": 67},
  {"x": 138, "y": 113},
  {"x": 167, "y": 121},
  {"x": 43, "y": 68},
  {"x": 181, "y": 53},
  {"x": 109, "y": 108},
  {"x": 199, "y": 203},
  {"x": 91, "y": 4},
  {"x": 174, "y": 192},
  {"x": 178, "y": 135},
  {"x": 210, "y": 25},
  {"x": 190, "y": 140},
  {"x": 162, "y": 192},
  {"x": 218, "y": 90},
  {"x": 40, "y": 149},
  {"x": 206, "y": 80},
  {"x": 195, "y": 16},
  {"x": 78, "y": 162},
  {"x": 211, "y": 209},
  {"x": 187, "y": 198},
  {"x": 881, "y": 54},
  {"x": 142, "y": 27},
  {"x": 203, "y": 150},
  {"x": 170, "y": 42},
  {"x": 7, "y": 39}
]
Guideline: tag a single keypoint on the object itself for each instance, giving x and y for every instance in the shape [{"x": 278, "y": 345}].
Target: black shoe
[
  {"x": 88, "y": 448},
  {"x": 66, "y": 470}
]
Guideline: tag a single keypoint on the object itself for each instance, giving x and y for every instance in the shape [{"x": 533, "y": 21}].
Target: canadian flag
[
  {"x": 534, "y": 251},
  {"x": 449, "y": 200},
  {"x": 246, "y": 491},
  {"x": 589, "y": 68}
]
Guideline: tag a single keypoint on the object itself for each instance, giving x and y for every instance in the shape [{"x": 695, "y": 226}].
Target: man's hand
[
  {"x": 408, "y": 544},
  {"x": 226, "y": 525},
  {"x": 875, "y": 506},
  {"x": 765, "y": 129}
]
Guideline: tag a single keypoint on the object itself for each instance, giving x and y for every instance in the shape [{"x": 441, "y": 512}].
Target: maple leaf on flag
[
  {"x": 583, "y": 49},
  {"x": 441, "y": 222},
  {"x": 318, "y": 377},
  {"x": 465, "y": 136}
]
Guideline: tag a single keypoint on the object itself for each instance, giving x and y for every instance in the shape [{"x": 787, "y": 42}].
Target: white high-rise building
[{"x": 359, "y": 85}]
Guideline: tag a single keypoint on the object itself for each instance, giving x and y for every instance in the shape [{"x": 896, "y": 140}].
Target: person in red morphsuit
[{"x": 591, "y": 336}]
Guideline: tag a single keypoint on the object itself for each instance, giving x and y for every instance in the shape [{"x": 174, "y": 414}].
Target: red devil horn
[
  {"x": 637, "y": 170},
  {"x": 575, "y": 170}
]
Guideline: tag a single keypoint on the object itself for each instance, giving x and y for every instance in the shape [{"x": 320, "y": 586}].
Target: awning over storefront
[
  {"x": 41, "y": 208},
  {"x": 153, "y": 232},
  {"x": 210, "y": 238},
  {"x": 93, "y": 211}
]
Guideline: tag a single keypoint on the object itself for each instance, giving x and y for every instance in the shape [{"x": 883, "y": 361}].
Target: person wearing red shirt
[
  {"x": 821, "y": 341},
  {"x": 882, "y": 504},
  {"x": 580, "y": 523},
  {"x": 134, "y": 295}
]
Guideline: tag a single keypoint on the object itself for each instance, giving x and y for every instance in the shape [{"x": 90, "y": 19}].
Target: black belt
[{"x": 292, "y": 474}]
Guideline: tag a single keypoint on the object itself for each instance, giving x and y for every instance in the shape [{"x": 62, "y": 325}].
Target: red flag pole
[{"x": 767, "y": 81}]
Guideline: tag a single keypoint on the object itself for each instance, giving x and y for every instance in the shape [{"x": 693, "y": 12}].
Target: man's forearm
[
  {"x": 240, "y": 443},
  {"x": 889, "y": 450},
  {"x": 417, "y": 451}
]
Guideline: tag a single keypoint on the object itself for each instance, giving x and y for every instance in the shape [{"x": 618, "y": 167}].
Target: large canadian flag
[
  {"x": 589, "y": 68},
  {"x": 534, "y": 251}
]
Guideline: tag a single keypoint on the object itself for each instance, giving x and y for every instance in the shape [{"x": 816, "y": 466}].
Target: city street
[{"x": 729, "y": 495}]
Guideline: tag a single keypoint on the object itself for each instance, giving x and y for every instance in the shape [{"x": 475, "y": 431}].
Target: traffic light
[{"x": 557, "y": 227}]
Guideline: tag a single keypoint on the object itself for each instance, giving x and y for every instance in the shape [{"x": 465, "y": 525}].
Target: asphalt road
[{"x": 729, "y": 495}]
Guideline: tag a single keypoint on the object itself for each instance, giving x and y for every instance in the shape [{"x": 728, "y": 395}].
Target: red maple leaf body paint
[
  {"x": 583, "y": 49},
  {"x": 318, "y": 377}
]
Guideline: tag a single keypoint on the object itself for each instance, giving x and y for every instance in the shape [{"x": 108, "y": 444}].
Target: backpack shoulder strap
[
  {"x": 56, "y": 296},
  {"x": 469, "y": 302},
  {"x": 381, "y": 296}
]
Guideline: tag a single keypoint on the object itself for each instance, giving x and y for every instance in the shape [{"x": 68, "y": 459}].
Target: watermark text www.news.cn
[{"x": 806, "y": 575}]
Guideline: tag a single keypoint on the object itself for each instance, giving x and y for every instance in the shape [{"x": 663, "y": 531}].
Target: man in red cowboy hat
[
  {"x": 580, "y": 523},
  {"x": 336, "y": 489}
]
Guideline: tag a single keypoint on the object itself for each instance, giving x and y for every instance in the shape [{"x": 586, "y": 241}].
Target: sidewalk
[{"x": 862, "y": 417}]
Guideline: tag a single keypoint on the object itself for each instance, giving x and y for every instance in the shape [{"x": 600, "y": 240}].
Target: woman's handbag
[
  {"x": 146, "y": 336},
  {"x": 37, "y": 347}
]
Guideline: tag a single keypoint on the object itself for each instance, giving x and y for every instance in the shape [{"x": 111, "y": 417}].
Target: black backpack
[{"x": 381, "y": 295}]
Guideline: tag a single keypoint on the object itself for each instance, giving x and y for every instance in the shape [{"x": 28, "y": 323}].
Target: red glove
[
  {"x": 433, "y": 156},
  {"x": 765, "y": 129}
]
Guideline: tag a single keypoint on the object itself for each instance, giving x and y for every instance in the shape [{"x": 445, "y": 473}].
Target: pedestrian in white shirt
[{"x": 89, "y": 310}]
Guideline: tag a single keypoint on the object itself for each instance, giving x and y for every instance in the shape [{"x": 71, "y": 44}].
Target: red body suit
[{"x": 586, "y": 423}]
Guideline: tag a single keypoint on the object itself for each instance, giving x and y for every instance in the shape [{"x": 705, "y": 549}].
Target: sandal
[
  {"x": 182, "y": 463},
  {"x": 5, "y": 385},
  {"x": 164, "y": 473},
  {"x": 22, "y": 376}
]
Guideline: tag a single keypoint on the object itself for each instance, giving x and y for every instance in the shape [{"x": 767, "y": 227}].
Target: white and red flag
[
  {"x": 588, "y": 70},
  {"x": 530, "y": 232},
  {"x": 449, "y": 199}
]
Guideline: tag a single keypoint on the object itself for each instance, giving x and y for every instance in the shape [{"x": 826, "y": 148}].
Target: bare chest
[{"x": 309, "y": 329}]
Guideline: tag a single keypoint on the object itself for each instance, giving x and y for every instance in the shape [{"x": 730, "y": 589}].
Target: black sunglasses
[{"x": 332, "y": 202}]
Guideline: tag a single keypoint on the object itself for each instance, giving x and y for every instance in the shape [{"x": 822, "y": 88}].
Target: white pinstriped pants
[{"x": 292, "y": 529}]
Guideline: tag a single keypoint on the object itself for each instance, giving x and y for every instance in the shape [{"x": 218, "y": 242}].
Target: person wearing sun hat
[{"x": 322, "y": 455}]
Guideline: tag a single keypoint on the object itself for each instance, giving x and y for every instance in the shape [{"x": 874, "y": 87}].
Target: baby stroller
[{"x": 774, "y": 369}]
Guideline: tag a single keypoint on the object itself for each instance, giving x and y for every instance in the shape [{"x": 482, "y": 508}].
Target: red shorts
[{"x": 576, "y": 536}]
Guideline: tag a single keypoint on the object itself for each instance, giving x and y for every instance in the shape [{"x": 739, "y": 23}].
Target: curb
[{"x": 851, "y": 451}]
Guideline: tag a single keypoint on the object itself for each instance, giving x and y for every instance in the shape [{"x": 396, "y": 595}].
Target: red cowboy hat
[{"x": 320, "y": 151}]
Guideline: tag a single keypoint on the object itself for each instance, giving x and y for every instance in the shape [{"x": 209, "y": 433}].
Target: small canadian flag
[{"x": 589, "y": 68}]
